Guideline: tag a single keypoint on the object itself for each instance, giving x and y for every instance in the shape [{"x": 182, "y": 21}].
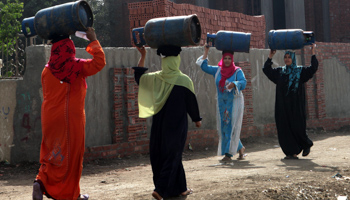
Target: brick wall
[
  {"x": 248, "y": 127},
  {"x": 339, "y": 19},
  {"x": 315, "y": 98},
  {"x": 130, "y": 135},
  {"x": 211, "y": 20},
  {"x": 339, "y": 12}
]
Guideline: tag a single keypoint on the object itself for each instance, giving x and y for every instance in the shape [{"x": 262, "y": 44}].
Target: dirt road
[{"x": 262, "y": 175}]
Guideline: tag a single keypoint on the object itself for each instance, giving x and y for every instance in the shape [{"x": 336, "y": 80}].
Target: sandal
[
  {"x": 37, "y": 193},
  {"x": 226, "y": 159},
  {"x": 83, "y": 197},
  {"x": 241, "y": 157},
  {"x": 187, "y": 192},
  {"x": 306, "y": 151}
]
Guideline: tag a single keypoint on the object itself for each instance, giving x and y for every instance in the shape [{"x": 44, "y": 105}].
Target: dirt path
[{"x": 262, "y": 175}]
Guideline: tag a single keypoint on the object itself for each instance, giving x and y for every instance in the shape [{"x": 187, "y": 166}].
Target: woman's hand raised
[
  {"x": 142, "y": 51},
  {"x": 206, "y": 50},
  {"x": 313, "y": 49},
  {"x": 272, "y": 53}
]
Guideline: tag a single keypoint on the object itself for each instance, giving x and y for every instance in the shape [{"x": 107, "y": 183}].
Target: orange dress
[{"x": 63, "y": 128}]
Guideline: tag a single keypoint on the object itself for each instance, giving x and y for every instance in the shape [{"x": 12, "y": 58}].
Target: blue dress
[{"x": 230, "y": 108}]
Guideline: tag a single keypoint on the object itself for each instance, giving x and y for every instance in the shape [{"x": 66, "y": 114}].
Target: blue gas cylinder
[
  {"x": 232, "y": 41},
  {"x": 64, "y": 19},
  {"x": 178, "y": 31},
  {"x": 290, "y": 39}
]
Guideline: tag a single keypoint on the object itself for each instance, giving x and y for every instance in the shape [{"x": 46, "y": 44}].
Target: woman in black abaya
[
  {"x": 290, "y": 114},
  {"x": 168, "y": 96}
]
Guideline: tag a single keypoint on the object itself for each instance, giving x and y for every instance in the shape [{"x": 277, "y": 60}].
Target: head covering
[
  {"x": 168, "y": 50},
  {"x": 57, "y": 38},
  {"x": 293, "y": 72},
  {"x": 155, "y": 88},
  {"x": 227, "y": 51},
  {"x": 63, "y": 64},
  {"x": 226, "y": 72}
]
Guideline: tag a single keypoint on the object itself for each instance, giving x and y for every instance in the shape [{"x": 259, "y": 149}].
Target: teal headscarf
[{"x": 293, "y": 72}]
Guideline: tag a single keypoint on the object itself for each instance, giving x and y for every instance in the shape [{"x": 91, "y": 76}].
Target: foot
[
  {"x": 241, "y": 151},
  {"x": 37, "y": 193},
  {"x": 241, "y": 154},
  {"x": 83, "y": 197},
  {"x": 226, "y": 159},
  {"x": 187, "y": 192},
  {"x": 306, "y": 151},
  {"x": 156, "y": 195},
  {"x": 241, "y": 157}
]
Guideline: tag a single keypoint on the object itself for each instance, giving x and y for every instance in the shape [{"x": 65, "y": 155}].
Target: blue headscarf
[{"x": 293, "y": 72}]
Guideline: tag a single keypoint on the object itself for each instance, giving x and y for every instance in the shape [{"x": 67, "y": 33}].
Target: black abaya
[
  {"x": 290, "y": 113},
  {"x": 168, "y": 137}
]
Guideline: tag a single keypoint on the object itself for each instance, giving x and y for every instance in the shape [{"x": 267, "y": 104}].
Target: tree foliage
[
  {"x": 10, "y": 13},
  {"x": 101, "y": 21}
]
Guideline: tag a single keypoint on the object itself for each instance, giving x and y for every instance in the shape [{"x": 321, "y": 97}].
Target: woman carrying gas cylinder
[
  {"x": 230, "y": 81},
  {"x": 290, "y": 115}
]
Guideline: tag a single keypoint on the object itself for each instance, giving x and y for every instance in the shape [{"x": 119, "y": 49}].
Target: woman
[
  {"x": 230, "y": 82},
  {"x": 290, "y": 115},
  {"x": 63, "y": 118},
  {"x": 167, "y": 95}
]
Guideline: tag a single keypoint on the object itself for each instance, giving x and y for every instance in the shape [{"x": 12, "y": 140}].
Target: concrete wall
[
  {"x": 295, "y": 14},
  {"x": 7, "y": 108},
  {"x": 202, "y": 3},
  {"x": 337, "y": 80},
  {"x": 27, "y": 116},
  {"x": 267, "y": 11},
  {"x": 21, "y": 99}
]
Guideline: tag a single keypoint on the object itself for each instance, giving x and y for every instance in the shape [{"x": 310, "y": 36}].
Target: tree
[
  {"x": 31, "y": 7},
  {"x": 10, "y": 12}
]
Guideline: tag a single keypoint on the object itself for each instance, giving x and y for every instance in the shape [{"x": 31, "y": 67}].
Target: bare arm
[
  {"x": 206, "y": 50},
  {"x": 142, "y": 51}
]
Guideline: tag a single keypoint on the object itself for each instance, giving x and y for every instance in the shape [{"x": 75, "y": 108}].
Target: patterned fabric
[
  {"x": 230, "y": 109},
  {"x": 63, "y": 64},
  {"x": 293, "y": 72}
]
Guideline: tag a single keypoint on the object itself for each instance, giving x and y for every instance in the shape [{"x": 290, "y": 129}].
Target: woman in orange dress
[{"x": 63, "y": 118}]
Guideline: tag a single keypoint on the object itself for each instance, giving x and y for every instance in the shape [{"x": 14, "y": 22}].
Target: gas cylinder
[
  {"x": 178, "y": 31},
  {"x": 230, "y": 41},
  {"x": 64, "y": 19},
  {"x": 289, "y": 39}
]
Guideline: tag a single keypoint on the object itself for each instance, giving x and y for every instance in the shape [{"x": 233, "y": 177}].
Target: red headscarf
[
  {"x": 226, "y": 72},
  {"x": 62, "y": 63}
]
